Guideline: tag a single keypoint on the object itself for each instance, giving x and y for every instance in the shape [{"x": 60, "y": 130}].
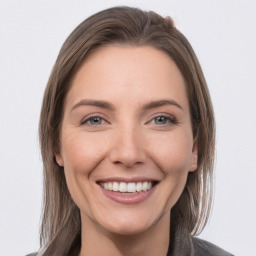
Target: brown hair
[{"x": 61, "y": 227}]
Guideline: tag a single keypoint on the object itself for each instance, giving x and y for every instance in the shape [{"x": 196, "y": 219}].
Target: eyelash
[
  {"x": 89, "y": 119},
  {"x": 169, "y": 120}
]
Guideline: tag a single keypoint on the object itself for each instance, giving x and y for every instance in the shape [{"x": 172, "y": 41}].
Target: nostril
[
  {"x": 127, "y": 150},
  {"x": 128, "y": 164}
]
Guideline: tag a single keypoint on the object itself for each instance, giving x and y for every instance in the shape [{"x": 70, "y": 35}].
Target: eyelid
[
  {"x": 172, "y": 118},
  {"x": 86, "y": 119}
]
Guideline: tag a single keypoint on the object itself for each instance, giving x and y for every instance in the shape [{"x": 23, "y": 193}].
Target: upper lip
[{"x": 127, "y": 180}]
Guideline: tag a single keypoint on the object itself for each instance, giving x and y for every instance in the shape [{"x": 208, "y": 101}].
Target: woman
[{"x": 127, "y": 138}]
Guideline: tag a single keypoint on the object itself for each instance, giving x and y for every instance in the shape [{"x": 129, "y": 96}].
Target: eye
[
  {"x": 93, "y": 121},
  {"x": 163, "y": 120}
]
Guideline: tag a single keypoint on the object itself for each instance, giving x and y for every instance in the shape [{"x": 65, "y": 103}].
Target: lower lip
[{"x": 127, "y": 198}]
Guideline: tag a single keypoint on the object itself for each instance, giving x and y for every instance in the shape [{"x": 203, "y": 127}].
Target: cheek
[
  {"x": 172, "y": 153},
  {"x": 81, "y": 152}
]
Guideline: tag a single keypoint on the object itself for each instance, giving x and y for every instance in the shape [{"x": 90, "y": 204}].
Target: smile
[
  {"x": 127, "y": 187},
  {"x": 132, "y": 191}
]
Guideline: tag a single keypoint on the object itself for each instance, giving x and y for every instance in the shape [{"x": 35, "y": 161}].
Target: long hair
[{"x": 61, "y": 226}]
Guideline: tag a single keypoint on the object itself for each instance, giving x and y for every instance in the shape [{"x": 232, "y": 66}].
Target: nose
[{"x": 128, "y": 148}]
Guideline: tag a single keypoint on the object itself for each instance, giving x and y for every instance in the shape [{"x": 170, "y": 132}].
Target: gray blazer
[{"x": 198, "y": 247}]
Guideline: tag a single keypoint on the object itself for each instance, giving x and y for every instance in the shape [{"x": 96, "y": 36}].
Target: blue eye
[
  {"x": 161, "y": 120},
  {"x": 164, "y": 120},
  {"x": 93, "y": 121}
]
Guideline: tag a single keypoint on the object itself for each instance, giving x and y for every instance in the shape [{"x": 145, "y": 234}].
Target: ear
[
  {"x": 59, "y": 158},
  {"x": 194, "y": 157}
]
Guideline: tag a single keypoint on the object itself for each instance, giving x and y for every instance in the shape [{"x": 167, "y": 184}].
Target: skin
[{"x": 125, "y": 141}]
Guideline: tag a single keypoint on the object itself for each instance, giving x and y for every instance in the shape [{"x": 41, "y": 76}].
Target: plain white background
[{"x": 223, "y": 35}]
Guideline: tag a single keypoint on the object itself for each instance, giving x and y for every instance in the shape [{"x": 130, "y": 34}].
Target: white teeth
[
  {"x": 110, "y": 185},
  {"x": 145, "y": 186},
  {"x": 122, "y": 187},
  {"x": 115, "y": 186},
  {"x": 130, "y": 187},
  {"x": 139, "y": 186}
]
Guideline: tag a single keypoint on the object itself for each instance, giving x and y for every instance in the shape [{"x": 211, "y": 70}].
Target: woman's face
[{"x": 126, "y": 139}]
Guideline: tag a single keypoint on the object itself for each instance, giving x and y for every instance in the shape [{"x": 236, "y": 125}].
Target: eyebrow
[
  {"x": 160, "y": 103},
  {"x": 108, "y": 105},
  {"x": 97, "y": 103}
]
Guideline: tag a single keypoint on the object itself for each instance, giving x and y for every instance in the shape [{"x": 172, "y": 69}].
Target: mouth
[
  {"x": 127, "y": 192},
  {"x": 127, "y": 187}
]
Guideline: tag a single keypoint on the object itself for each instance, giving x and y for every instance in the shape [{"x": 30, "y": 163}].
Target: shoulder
[
  {"x": 203, "y": 248},
  {"x": 31, "y": 254}
]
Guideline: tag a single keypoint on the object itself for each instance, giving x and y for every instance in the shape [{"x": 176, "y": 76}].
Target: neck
[{"x": 97, "y": 241}]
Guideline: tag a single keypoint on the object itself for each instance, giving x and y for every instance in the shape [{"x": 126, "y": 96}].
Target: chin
[
  {"x": 129, "y": 225},
  {"x": 128, "y": 230}
]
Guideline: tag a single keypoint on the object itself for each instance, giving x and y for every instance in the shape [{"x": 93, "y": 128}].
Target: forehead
[{"x": 142, "y": 71}]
